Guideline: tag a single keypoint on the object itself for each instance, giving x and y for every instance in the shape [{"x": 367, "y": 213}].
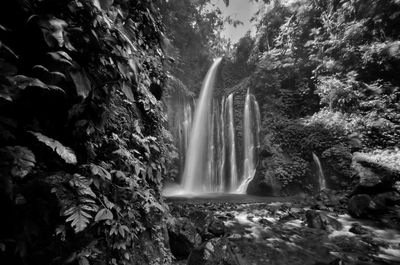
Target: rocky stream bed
[{"x": 246, "y": 230}]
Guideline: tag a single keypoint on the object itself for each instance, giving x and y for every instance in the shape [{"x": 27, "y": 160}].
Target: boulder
[
  {"x": 200, "y": 219},
  {"x": 261, "y": 185},
  {"x": 183, "y": 237},
  {"x": 265, "y": 222},
  {"x": 322, "y": 221},
  {"x": 215, "y": 251},
  {"x": 386, "y": 199},
  {"x": 216, "y": 227},
  {"x": 319, "y": 206},
  {"x": 356, "y": 228},
  {"x": 314, "y": 220},
  {"x": 332, "y": 223},
  {"x": 377, "y": 168},
  {"x": 381, "y": 187},
  {"x": 265, "y": 152},
  {"x": 359, "y": 205}
]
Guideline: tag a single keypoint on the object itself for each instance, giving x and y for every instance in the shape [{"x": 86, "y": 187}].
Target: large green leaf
[
  {"x": 50, "y": 78},
  {"x": 53, "y": 31},
  {"x": 21, "y": 82},
  {"x": 82, "y": 82},
  {"x": 60, "y": 60},
  {"x": 103, "y": 4},
  {"x": 127, "y": 90},
  {"x": 66, "y": 153},
  {"x": 18, "y": 159},
  {"x": 99, "y": 171},
  {"x": 103, "y": 214},
  {"x": 106, "y": 4}
]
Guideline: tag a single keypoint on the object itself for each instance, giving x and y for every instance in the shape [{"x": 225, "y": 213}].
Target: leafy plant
[{"x": 82, "y": 143}]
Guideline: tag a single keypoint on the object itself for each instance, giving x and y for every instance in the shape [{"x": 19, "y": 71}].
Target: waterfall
[
  {"x": 233, "y": 176},
  {"x": 321, "y": 176},
  {"x": 196, "y": 164},
  {"x": 187, "y": 123},
  {"x": 251, "y": 128},
  {"x": 222, "y": 151},
  {"x": 208, "y": 139}
]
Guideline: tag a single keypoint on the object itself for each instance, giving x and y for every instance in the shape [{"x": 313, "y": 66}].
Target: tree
[{"x": 193, "y": 31}]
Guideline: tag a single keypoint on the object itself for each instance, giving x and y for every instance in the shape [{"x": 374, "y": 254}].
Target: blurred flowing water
[
  {"x": 251, "y": 131},
  {"x": 321, "y": 175},
  {"x": 209, "y": 139},
  {"x": 195, "y": 177}
]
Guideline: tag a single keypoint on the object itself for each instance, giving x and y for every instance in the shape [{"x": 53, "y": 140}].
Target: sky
[{"x": 242, "y": 10}]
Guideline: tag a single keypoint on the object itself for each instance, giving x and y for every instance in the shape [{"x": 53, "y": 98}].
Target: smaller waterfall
[
  {"x": 233, "y": 176},
  {"x": 251, "y": 128},
  {"x": 321, "y": 176},
  {"x": 208, "y": 185},
  {"x": 187, "y": 123},
  {"x": 222, "y": 151}
]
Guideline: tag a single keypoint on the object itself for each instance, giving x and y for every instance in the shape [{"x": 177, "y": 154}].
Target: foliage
[
  {"x": 192, "y": 34},
  {"x": 290, "y": 172},
  {"x": 326, "y": 77},
  {"x": 82, "y": 145},
  {"x": 338, "y": 95},
  {"x": 386, "y": 158},
  {"x": 341, "y": 157},
  {"x": 303, "y": 139}
]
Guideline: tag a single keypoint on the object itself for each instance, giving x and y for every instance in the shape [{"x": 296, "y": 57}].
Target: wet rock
[
  {"x": 264, "y": 222},
  {"x": 250, "y": 217},
  {"x": 321, "y": 220},
  {"x": 379, "y": 188},
  {"x": 261, "y": 185},
  {"x": 359, "y": 205},
  {"x": 266, "y": 152},
  {"x": 215, "y": 251},
  {"x": 356, "y": 228},
  {"x": 319, "y": 206},
  {"x": 332, "y": 223},
  {"x": 289, "y": 216},
  {"x": 390, "y": 219},
  {"x": 217, "y": 227},
  {"x": 230, "y": 215},
  {"x": 314, "y": 220},
  {"x": 199, "y": 218},
  {"x": 373, "y": 172},
  {"x": 183, "y": 237},
  {"x": 386, "y": 199}
]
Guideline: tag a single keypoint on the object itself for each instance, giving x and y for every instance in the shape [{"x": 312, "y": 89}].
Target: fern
[
  {"x": 77, "y": 201},
  {"x": 79, "y": 216},
  {"x": 66, "y": 153}
]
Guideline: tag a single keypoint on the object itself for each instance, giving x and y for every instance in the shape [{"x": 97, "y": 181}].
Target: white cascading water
[
  {"x": 222, "y": 151},
  {"x": 251, "y": 128},
  {"x": 209, "y": 184},
  {"x": 187, "y": 124},
  {"x": 234, "y": 181},
  {"x": 321, "y": 176},
  {"x": 196, "y": 156},
  {"x": 208, "y": 137}
]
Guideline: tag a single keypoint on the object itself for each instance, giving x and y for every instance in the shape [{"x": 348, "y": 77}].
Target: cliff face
[{"x": 180, "y": 105}]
